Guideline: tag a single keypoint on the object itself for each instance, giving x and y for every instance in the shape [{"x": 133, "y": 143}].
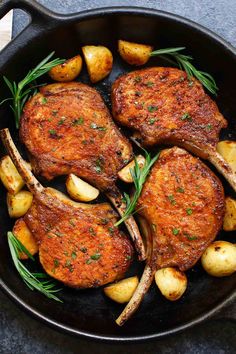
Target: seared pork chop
[
  {"x": 162, "y": 106},
  {"x": 68, "y": 129},
  {"x": 183, "y": 204},
  {"x": 78, "y": 243}
]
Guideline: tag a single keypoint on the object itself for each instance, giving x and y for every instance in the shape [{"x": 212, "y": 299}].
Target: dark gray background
[{"x": 21, "y": 334}]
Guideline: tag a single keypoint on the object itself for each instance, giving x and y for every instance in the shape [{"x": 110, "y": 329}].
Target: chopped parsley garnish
[
  {"x": 44, "y": 100},
  {"x": 175, "y": 231},
  {"x": 73, "y": 255},
  {"x": 138, "y": 93},
  {"x": 191, "y": 238},
  {"x": 137, "y": 79},
  {"x": 209, "y": 127},
  {"x": 61, "y": 121},
  {"x": 104, "y": 221},
  {"x": 111, "y": 230},
  {"x": 95, "y": 126},
  {"x": 56, "y": 263},
  {"x": 186, "y": 116},
  {"x": 95, "y": 256},
  {"x": 52, "y": 132},
  {"x": 151, "y": 121},
  {"x": 92, "y": 232},
  {"x": 189, "y": 211},
  {"x": 83, "y": 249},
  {"x": 152, "y": 108},
  {"x": 59, "y": 234},
  {"x": 172, "y": 199},
  {"x": 98, "y": 167},
  {"x": 180, "y": 190},
  {"x": 78, "y": 121},
  {"x": 88, "y": 261},
  {"x": 128, "y": 258},
  {"x": 149, "y": 84}
]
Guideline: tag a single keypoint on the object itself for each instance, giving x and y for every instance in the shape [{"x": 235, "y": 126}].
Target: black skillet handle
[
  {"x": 41, "y": 20},
  {"x": 36, "y": 11}
]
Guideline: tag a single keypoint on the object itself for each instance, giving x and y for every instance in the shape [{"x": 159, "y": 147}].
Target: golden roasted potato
[
  {"x": 228, "y": 150},
  {"x": 80, "y": 190},
  {"x": 24, "y": 235},
  {"x": 18, "y": 204},
  {"x": 171, "y": 282},
  {"x": 125, "y": 174},
  {"x": 99, "y": 61},
  {"x": 67, "y": 71},
  {"x": 219, "y": 259},
  {"x": 134, "y": 53},
  {"x": 10, "y": 176},
  {"x": 229, "y": 223},
  {"x": 123, "y": 290}
]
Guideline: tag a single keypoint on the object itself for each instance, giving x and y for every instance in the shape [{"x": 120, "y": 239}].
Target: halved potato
[
  {"x": 99, "y": 61},
  {"x": 228, "y": 150},
  {"x": 229, "y": 223},
  {"x": 134, "y": 53},
  {"x": 80, "y": 190},
  {"x": 125, "y": 174},
  {"x": 10, "y": 176},
  {"x": 123, "y": 290},
  {"x": 24, "y": 235},
  {"x": 171, "y": 282},
  {"x": 18, "y": 204},
  {"x": 67, "y": 71}
]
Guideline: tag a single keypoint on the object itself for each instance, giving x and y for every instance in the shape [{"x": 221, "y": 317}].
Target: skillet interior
[{"x": 88, "y": 312}]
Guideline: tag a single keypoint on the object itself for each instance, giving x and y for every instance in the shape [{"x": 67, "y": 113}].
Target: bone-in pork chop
[
  {"x": 183, "y": 205},
  {"x": 68, "y": 129},
  {"x": 162, "y": 106}
]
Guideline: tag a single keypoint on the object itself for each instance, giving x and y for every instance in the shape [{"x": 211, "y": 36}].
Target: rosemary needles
[
  {"x": 139, "y": 176},
  {"x": 21, "y": 91},
  {"x": 184, "y": 63},
  {"x": 35, "y": 281}
]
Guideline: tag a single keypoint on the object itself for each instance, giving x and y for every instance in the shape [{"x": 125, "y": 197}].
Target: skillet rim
[{"x": 60, "y": 19}]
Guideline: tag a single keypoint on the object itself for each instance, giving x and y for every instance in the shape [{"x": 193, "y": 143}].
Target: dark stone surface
[{"x": 19, "y": 333}]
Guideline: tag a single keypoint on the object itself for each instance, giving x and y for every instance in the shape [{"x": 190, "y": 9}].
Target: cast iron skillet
[{"x": 88, "y": 312}]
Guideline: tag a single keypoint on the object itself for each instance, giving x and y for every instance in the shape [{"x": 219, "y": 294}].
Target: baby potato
[
  {"x": 171, "y": 282},
  {"x": 99, "y": 61},
  {"x": 228, "y": 150},
  {"x": 67, "y": 71},
  {"x": 229, "y": 223},
  {"x": 10, "y": 176},
  {"x": 24, "y": 235},
  {"x": 80, "y": 190},
  {"x": 125, "y": 174},
  {"x": 134, "y": 53},
  {"x": 219, "y": 259},
  {"x": 18, "y": 204},
  {"x": 123, "y": 290}
]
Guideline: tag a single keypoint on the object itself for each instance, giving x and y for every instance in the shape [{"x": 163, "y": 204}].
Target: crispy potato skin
[
  {"x": 99, "y": 61},
  {"x": 67, "y": 71},
  {"x": 68, "y": 129},
  {"x": 69, "y": 236},
  {"x": 161, "y": 106},
  {"x": 25, "y": 236},
  {"x": 134, "y": 53},
  {"x": 183, "y": 201}
]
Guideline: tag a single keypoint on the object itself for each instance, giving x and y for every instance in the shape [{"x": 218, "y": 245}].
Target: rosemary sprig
[
  {"x": 184, "y": 63},
  {"x": 32, "y": 280},
  {"x": 21, "y": 91},
  {"x": 139, "y": 176}
]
